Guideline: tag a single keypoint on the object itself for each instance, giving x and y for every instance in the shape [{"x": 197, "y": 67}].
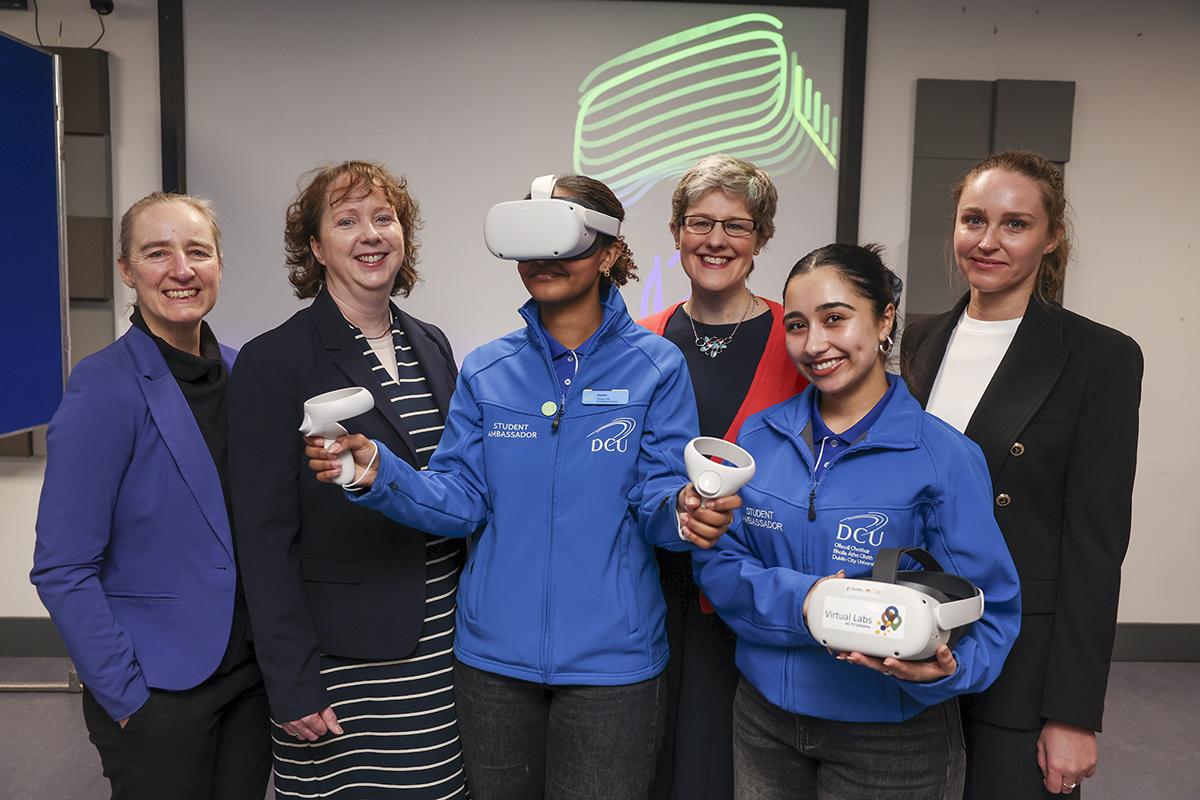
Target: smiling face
[
  {"x": 833, "y": 333},
  {"x": 1001, "y": 233},
  {"x": 360, "y": 243},
  {"x": 716, "y": 262},
  {"x": 175, "y": 267}
]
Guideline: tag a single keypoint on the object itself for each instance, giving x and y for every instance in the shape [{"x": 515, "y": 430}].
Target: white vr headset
[
  {"x": 712, "y": 478},
  {"x": 543, "y": 228},
  {"x": 906, "y": 615}
]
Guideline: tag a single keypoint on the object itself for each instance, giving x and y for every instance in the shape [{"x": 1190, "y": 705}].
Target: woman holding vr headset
[
  {"x": 562, "y": 463},
  {"x": 851, "y": 466},
  {"x": 722, "y": 215}
]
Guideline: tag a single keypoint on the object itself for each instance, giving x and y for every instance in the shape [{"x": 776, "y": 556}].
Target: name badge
[{"x": 605, "y": 397}]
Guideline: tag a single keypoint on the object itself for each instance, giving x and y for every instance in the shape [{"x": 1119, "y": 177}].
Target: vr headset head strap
[
  {"x": 543, "y": 187},
  {"x": 887, "y": 562}
]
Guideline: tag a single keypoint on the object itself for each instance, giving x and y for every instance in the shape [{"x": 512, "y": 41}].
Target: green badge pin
[{"x": 549, "y": 408}]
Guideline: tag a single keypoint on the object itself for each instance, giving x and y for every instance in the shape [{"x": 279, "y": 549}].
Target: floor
[{"x": 1151, "y": 747}]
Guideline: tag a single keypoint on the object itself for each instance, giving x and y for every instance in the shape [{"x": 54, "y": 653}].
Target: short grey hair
[{"x": 735, "y": 177}]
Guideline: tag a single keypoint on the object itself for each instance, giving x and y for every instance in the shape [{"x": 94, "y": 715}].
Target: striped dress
[{"x": 401, "y": 730}]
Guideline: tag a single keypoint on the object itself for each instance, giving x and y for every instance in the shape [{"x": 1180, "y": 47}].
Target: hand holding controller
[
  {"x": 322, "y": 417},
  {"x": 713, "y": 479}
]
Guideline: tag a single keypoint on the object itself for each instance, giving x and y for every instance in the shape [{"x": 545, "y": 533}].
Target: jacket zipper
[
  {"x": 812, "y": 492},
  {"x": 558, "y": 416}
]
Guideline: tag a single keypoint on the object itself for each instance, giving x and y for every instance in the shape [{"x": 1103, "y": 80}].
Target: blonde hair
[
  {"x": 1052, "y": 271},
  {"x": 198, "y": 204}
]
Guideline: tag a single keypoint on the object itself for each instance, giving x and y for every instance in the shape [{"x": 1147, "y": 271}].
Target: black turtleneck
[{"x": 203, "y": 380}]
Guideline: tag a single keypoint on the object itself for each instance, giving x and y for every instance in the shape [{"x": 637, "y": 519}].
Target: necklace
[
  {"x": 387, "y": 331},
  {"x": 712, "y": 346}
]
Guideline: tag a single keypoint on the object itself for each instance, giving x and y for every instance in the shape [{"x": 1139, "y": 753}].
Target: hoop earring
[
  {"x": 887, "y": 340},
  {"x": 606, "y": 272}
]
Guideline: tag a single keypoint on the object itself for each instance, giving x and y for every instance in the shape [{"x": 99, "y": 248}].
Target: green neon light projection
[{"x": 726, "y": 86}]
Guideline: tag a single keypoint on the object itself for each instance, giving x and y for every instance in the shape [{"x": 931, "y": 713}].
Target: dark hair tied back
[
  {"x": 863, "y": 268},
  {"x": 897, "y": 288}
]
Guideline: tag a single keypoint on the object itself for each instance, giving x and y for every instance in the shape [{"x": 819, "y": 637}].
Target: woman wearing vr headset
[
  {"x": 1052, "y": 398},
  {"x": 562, "y": 463},
  {"x": 877, "y": 472},
  {"x": 353, "y": 614},
  {"x": 722, "y": 215}
]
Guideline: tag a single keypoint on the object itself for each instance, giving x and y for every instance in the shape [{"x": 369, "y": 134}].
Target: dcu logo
[
  {"x": 613, "y": 437},
  {"x": 863, "y": 528}
]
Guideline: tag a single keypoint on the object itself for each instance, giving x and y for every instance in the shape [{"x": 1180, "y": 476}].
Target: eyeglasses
[{"x": 738, "y": 228}]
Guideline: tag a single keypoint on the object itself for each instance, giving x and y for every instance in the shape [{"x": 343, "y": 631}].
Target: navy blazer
[
  {"x": 134, "y": 556},
  {"x": 321, "y": 574}
]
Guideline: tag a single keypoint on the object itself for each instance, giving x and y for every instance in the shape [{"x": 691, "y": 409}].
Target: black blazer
[
  {"x": 322, "y": 575},
  {"x": 1058, "y": 425}
]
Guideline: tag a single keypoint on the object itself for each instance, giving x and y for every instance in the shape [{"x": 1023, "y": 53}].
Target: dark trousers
[
  {"x": 778, "y": 755},
  {"x": 1002, "y": 764},
  {"x": 696, "y": 760},
  {"x": 211, "y": 742},
  {"x": 527, "y": 741}
]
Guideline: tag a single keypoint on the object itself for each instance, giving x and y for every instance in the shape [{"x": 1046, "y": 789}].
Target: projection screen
[{"x": 471, "y": 100}]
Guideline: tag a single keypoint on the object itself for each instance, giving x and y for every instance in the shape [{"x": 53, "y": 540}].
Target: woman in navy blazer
[{"x": 135, "y": 554}]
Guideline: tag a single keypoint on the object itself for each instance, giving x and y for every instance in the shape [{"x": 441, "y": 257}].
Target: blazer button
[
  {"x": 1003, "y": 499},
  {"x": 395, "y": 487},
  {"x": 1017, "y": 449}
]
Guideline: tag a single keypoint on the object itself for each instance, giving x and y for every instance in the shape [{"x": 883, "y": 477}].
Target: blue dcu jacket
[
  {"x": 563, "y": 496},
  {"x": 912, "y": 480}
]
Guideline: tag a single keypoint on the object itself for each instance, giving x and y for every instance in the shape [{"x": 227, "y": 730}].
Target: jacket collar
[
  {"x": 922, "y": 369},
  {"x": 616, "y": 318},
  {"x": 177, "y": 426},
  {"x": 338, "y": 338},
  {"x": 1027, "y": 373},
  {"x": 898, "y": 426}
]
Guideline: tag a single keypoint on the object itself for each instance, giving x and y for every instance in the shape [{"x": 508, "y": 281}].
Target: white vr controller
[
  {"x": 324, "y": 413},
  {"x": 543, "y": 228},
  {"x": 713, "y": 479}
]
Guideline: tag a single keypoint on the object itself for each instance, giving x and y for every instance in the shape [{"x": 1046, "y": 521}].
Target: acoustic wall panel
[{"x": 958, "y": 123}]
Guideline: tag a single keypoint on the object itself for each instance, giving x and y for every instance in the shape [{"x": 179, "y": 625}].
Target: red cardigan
[{"x": 776, "y": 378}]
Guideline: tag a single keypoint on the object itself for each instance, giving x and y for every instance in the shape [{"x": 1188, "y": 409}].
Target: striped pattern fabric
[{"x": 401, "y": 730}]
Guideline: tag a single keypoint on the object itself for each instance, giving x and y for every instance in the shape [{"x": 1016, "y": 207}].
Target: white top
[
  {"x": 975, "y": 350},
  {"x": 385, "y": 351}
]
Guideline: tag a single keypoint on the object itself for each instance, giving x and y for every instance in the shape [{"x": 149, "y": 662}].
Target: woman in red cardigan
[{"x": 722, "y": 214}]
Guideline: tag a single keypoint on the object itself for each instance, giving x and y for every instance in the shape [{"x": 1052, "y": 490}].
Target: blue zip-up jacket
[
  {"x": 563, "y": 498},
  {"x": 912, "y": 480}
]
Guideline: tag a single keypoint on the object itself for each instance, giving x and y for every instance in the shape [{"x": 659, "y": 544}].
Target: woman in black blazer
[
  {"x": 352, "y": 613},
  {"x": 1052, "y": 399}
]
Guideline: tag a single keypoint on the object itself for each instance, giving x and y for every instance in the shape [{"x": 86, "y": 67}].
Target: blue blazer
[{"x": 134, "y": 555}]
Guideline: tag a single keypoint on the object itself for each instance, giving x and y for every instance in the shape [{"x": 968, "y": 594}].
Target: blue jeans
[
  {"x": 526, "y": 741},
  {"x": 779, "y": 755}
]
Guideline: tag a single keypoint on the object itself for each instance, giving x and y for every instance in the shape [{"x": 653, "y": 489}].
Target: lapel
[
  {"x": 1027, "y": 373},
  {"x": 922, "y": 368},
  {"x": 346, "y": 352},
  {"x": 431, "y": 358},
  {"x": 177, "y": 426}
]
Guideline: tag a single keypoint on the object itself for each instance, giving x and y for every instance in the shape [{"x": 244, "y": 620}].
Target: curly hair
[
  {"x": 329, "y": 185},
  {"x": 735, "y": 177},
  {"x": 598, "y": 197},
  {"x": 1052, "y": 271}
]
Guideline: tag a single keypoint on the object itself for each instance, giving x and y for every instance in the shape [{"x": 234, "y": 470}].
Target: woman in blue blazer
[{"x": 135, "y": 555}]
